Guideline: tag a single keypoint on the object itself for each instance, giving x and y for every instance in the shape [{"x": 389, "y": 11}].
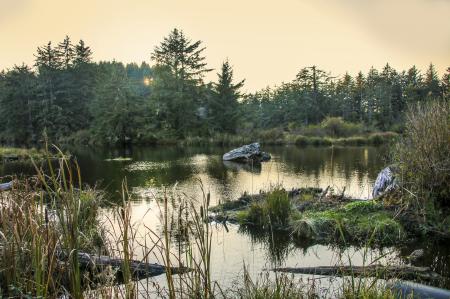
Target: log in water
[
  {"x": 139, "y": 270},
  {"x": 380, "y": 271}
]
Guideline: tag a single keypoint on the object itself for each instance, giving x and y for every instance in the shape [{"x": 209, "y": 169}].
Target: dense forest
[{"x": 68, "y": 97}]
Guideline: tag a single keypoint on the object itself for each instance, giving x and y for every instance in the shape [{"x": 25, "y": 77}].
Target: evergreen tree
[
  {"x": 431, "y": 83},
  {"x": 115, "y": 109},
  {"x": 83, "y": 54},
  {"x": 223, "y": 108},
  {"x": 66, "y": 53},
  {"x": 18, "y": 106},
  {"x": 178, "y": 80}
]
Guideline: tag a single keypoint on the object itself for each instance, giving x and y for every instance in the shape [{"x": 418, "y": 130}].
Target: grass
[
  {"x": 273, "y": 211},
  {"x": 43, "y": 221},
  {"x": 356, "y": 221},
  {"x": 7, "y": 153}
]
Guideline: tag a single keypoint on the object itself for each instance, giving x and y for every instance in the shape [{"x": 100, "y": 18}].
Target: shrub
[
  {"x": 352, "y": 141},
  {"x": 423, "y": 154},
  {"x": 337, "y": 127},
  {"x": 317, "y": 141},
  {"x": 272, "y": 136},
  {"x": 301, "y": 141},
  {"x": 382, "y": 137}
]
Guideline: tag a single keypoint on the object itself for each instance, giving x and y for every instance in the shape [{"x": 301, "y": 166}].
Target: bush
[
  {"x": 272, "y": 136},
  {"x": 352, "y": 141},
  {"x": 317, "y": 141},
  {"x": 337, "y": 127},
  {"x": 301, "y": 141},
  {"x": 423, "y": 154},
  {"x": 382, "y": 137}
]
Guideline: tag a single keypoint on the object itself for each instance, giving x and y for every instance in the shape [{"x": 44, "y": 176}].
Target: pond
[{"x": 148, "y": 171}]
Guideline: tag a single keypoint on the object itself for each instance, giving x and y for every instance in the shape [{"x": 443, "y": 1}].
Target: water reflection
[{"x": 354, "y": 168}]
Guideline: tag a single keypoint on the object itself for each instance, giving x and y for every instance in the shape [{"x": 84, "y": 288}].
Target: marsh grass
[
  {"x": 423, "y": 154},
  {"x": 273, "y": 211},
  {"x": 43, "y": 221}
]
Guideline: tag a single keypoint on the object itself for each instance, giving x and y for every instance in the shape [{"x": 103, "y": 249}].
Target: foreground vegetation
[
  {"x": 311, "y": 216},
  {"x": 70, "y": 98},
  {"x": 14, "y": 154},
  {"x": 47, "y": 220}
]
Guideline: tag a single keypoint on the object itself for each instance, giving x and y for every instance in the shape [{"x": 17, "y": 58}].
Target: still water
[{"x": 186, "y": 170}]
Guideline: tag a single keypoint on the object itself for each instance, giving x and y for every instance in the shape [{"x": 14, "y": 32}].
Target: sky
[{"x": 267, "y": 42}]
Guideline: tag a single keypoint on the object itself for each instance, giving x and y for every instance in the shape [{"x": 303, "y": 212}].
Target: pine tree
[
  {"x": 66, "y": 53},
  {"x": 431, "y": 83},
  {"x": 83, "y": 54},
  {"x": 18, "y": 106},
  {"x": 178, "y": 82},
  {"x": 223, "y": 108}
]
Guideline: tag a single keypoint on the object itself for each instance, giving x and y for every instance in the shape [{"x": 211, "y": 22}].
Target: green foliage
[
  {"x": 224, "y": 105},
  {"x": 273, "y": 211},
  {"x": 337, "y": 127},
  {"x": 382, "y": 137},
  {"x": 179, "y": 91},
  {"x": 69, "y": 98},
  {"x": 423, "y": 152},
  {"x": 354, "y": 222},
  {"x": 21, "y": 153}
]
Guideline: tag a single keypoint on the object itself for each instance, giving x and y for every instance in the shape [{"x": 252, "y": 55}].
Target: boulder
[
  {"x": 385, "y": 182},
  {"x": 247, "y": 153}
]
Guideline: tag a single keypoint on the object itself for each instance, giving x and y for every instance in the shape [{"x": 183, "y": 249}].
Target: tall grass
[
  {"x": 45, "y": 220},
  {"x": 423, "y": 153}
]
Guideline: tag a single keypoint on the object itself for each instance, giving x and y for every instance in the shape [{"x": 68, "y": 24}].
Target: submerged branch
[{"x": 386, "y": 272}]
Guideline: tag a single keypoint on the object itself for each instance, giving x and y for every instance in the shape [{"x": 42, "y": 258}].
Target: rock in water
[
  {"x": 247, "y": 153},
  {"x": 385, "y": 182}
]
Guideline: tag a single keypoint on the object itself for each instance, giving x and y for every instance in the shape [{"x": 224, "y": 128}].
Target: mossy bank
[{"x": 317, "y": 216}]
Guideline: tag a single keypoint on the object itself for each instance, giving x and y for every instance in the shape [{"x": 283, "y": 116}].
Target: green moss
[{"x": 354, "y": 222}]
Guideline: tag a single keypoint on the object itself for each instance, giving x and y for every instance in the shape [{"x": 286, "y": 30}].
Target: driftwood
[
  {"x": 6, "y": 186},
  {"x": 385, "y": 182},
  {"x": 139, "y": 270},
  {"x": 385, "y": 272}
]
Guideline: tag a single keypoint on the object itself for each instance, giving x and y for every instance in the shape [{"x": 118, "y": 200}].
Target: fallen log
[
  {"x": 138, "y": 269},
  {"x": 380, "y": 271}
]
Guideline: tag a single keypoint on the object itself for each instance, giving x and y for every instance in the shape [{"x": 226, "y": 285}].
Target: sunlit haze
[{"x": 266, "y": 41}]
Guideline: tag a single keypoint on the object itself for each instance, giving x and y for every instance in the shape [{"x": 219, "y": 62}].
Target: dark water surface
[{"x": 186, "y": 169}]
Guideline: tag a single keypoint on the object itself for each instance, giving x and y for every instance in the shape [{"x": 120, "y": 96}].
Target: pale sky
[{"x": 267, "y": 42}]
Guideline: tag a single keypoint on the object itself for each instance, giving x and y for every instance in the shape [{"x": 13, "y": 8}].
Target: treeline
[{"x": 68, "y": 97}]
